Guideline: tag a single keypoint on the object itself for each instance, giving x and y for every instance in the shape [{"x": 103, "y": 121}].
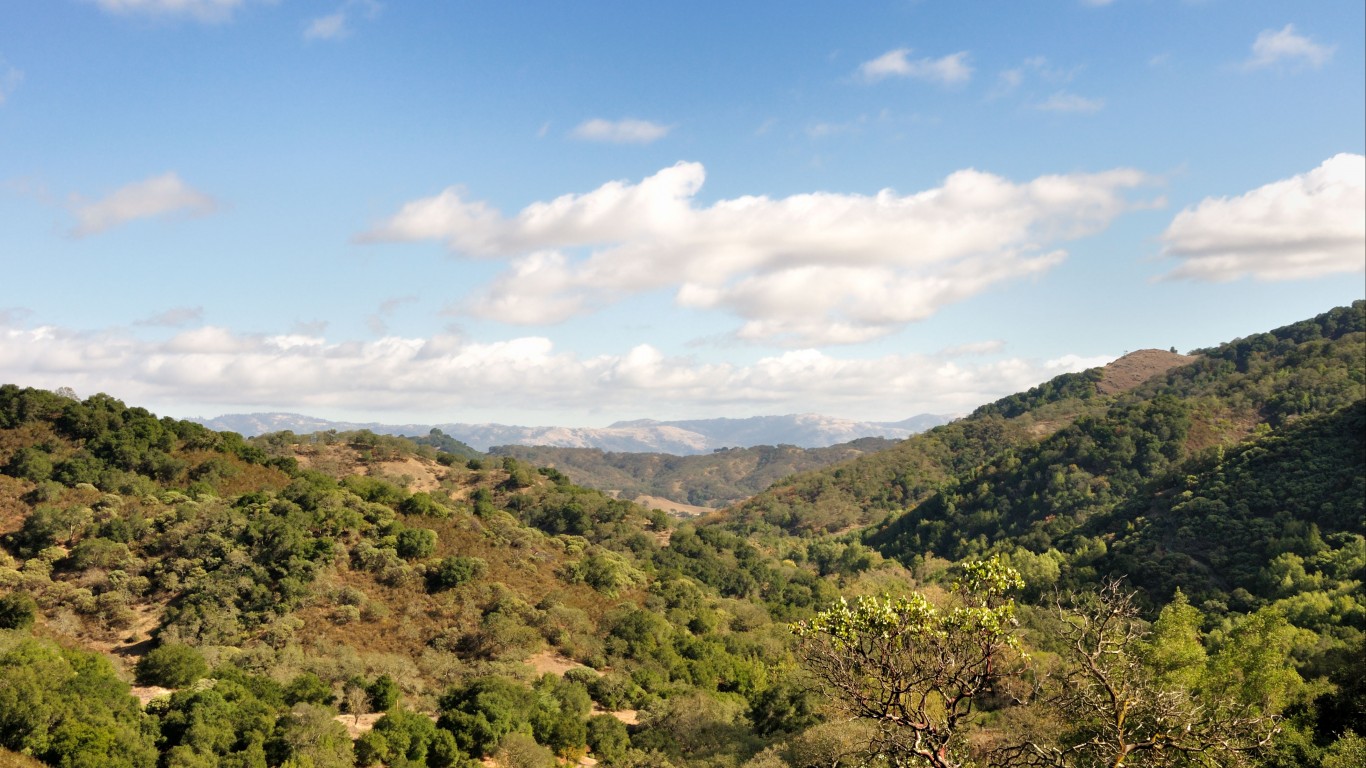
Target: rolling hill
[{"x": 265, "y": 595}]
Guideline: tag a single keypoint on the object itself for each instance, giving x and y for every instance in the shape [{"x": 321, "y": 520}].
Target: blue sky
[{"x": 574, "y": 213}]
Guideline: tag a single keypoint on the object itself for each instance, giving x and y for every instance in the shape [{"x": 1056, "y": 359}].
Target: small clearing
[
  {"x": 145, "y": 693},
  {"x": 628, "y": 716},
  {"x": 1137, "y": 367},
  {"x": 673, "y": 507},
  {"x": 423, "y": 475},
  {"x": 358, "y": 726},
  {"x": 555, "y": 663}
]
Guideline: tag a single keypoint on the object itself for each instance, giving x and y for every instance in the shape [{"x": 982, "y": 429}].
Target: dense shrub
[{"x": 173, "y": 665}]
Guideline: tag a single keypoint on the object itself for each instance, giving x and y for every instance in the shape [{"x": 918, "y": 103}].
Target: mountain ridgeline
[
  {"x": 683, "y": 438},
  {"x": 346, "y": 598}
]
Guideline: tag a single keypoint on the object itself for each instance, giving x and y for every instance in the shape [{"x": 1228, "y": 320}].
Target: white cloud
[
  {"x": 626, "y": 131},
  {"x": 1274, "y": 47},
  {"x": 1063, "y": 101},
  {"x": 952, "y": 69},
  {"x": 819, "y": 268},
  {"x": 202, "y": 10},
  {"x": 1306, "y": 226},
  {"x": 212, "y": 368},
  {"x": 159, "y": 196}
]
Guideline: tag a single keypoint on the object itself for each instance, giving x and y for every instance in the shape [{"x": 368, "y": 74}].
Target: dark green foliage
[
  {"x": 227, "y": 724},
  {"x": 607, "y": 737},
  {"x": 557, "y": 721},
  {"x": 98, "y": 552},
  {"x": 416, "y": 543},
  {"x": 1251, "y": 520},
  {"x": 308, "y": 688},
  {"x": 569, "y": 509},
  {"x": 454, "y": 571},
  {"x": 68, "y": 708},
  {"x": 173, "y": 665},
  {"x": 383, "y": 693},
  {"x": 1040, "y": 493},
  {"x": 30, "y": 463},
  {"x": 787, "y": 705},
  {"x": 403, "y": 739},
  {"x": 480, "y": 713},
  {"x": 111, "y": 442},
  {"x": 17, "y": 611},
  {"x": 421, "y": 503},
  {"x": 374, "y": 489}
]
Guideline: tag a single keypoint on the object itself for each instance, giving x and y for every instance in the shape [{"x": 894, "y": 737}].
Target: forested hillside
[
  {"x": 354, "y": 599},
  {"x": 717, "y": 479}
]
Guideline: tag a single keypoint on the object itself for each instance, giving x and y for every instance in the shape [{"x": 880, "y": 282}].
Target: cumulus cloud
[
  {"x": 1286, "y": 46},
  {"x": 809, "y": 269},
  {"x": 176, "y": 317},
  {"x": 1063, "y": 101},
  {"x": 210, "y": 367},
  {"x": 628, "y": 131},
  {"x": 952, "y": 69},
  {"x": 1306, "y": 226},
  {"x": 201, "y": 10},
  {"x": 160, "y": 196}
]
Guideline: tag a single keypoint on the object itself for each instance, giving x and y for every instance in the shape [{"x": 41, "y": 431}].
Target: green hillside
[
  {"x": 714, "y": 480},
  {"x": 354, "y": 599}
]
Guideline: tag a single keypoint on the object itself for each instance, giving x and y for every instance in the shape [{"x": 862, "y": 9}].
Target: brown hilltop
[{"x": 1137, "y": 367}]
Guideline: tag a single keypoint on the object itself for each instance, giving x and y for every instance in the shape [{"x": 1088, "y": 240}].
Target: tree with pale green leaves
[{"x": 915, "y": 670}]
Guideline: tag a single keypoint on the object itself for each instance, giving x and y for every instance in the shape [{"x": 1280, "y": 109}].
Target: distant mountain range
[{"x": 645, "y": 435}]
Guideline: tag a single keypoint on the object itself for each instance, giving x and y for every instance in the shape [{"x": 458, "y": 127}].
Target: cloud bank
[
  {"x": 446, "y": 377},
  {"x": 1306, "y": 226},
  {"x": 160, "y": 196},
  {"x": 805, "y": 270}
]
